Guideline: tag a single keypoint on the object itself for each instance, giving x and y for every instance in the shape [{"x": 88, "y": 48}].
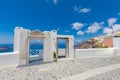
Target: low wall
[
  {"x": 36, "y": 57},
  {"x": 96, "y": 52},
  {"x": 61, "y": 52},
  {"x": 11, "y": 58},
  {"x": 7, "y": 59}
]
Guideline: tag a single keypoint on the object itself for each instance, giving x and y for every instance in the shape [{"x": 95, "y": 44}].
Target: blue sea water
[
  {"x": 6, "y": 48},
  {"x": 9, "y": 47}
]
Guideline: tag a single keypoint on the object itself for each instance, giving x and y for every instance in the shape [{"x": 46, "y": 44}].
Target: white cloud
[
  {"x": 118, "y": 14},
  {"x": 80, "y": 33},
  {"x": 94, "y": 27},
  {"x": 116, "y": 27},
  {"x": 55, "y": 1},
  {"x": 111, "y": 21},
  {"x": 85, "y": 10},
  {"x": 78, "y": 40},
  {"x": 107, "y": 30},
  {"x": 77, "y": 25},
  {"x": 82, "y": 10},
  {"x": 76, "y": 8}
]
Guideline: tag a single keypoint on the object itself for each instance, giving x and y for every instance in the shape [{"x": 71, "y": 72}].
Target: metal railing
[{"x": 36, "y": 51}]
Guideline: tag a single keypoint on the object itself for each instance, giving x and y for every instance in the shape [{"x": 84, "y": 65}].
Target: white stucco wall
[
  {"x": 8, "y": 59},
  {"x": 11, "y": 58},
  {"x": 17, "y": 38},
  {"x": 116, "y": 42},
  {"x": 35, "y": 57},
  {"x": 71, "y": 47},
  {"x": 96, "y": 52},
  {"x": 61, "y": 52},
  {"x": 49, "y": 45}
]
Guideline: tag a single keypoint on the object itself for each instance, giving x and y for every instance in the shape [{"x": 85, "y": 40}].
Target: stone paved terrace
[
  {"x": 110, "y": 75},
  {"x": 91, "y": 73},
  {"x": 58, "y": 70}
]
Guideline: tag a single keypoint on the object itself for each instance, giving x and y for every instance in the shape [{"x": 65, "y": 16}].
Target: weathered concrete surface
[
  {"x": 92, "y": 72},
  {"x": 57, "y": 70},
  {"x": 96, "y": 52},
  {"x": 110, "y": 75},
  {"x": 7, "y": 59}
]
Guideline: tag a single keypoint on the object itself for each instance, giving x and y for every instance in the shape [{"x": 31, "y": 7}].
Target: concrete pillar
[
  {"x": 17, "y": 38},
  {"x": 116, "y": 42},
  {"x": 116, "y": 45},
  {"x": 49, "y": 45},
  {"x": 54, "y": 41},
  {"x": 67, "y": 48},
  {"x": 71, "y": 47},
  {"x": 23, "y": 47}
]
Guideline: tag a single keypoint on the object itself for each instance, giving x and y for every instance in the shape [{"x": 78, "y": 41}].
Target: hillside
[{"x": 84, "y": 45}]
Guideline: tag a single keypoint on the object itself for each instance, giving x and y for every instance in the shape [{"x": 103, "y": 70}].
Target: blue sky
[{"x": 82, "y": 18}]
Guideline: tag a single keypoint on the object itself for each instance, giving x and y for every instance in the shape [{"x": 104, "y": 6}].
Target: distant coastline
[
  {"x": 2, "y": 48},
  {"x": 6, "y": 48}
]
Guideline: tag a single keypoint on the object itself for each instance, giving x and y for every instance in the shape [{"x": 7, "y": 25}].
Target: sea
[{"x": 4, "y": 48}]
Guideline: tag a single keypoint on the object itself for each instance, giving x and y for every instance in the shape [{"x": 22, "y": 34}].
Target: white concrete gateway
[{"x": 22, "y": 39}]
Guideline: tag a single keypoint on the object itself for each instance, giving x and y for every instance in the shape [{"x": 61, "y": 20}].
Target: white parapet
[
  {"x": 96, "y": 52},
  {"x": 116, "y": 42},
  {"x": 8, "y": 59}
]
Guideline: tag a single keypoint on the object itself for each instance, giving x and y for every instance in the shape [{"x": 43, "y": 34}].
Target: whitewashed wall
[
  {"x": 96, "y": 52},
  {"x": 61, "y": 52},
  {"x": 35, "y": 57},
  {"x": 116, "y": 42},
  {"x": 11, "y": 58},
  {"x": 7, "y": 59}
]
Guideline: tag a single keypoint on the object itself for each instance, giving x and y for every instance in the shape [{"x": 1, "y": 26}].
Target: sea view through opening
[{"x": 4, "y": 48}]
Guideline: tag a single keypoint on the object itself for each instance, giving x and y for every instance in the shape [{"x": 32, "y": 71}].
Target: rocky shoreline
[{"x": 57, "y": 70}]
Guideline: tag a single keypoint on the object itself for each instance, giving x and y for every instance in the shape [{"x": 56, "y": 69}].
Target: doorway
[
  {"x": 62, "y": 48},
  {"x": 36, "y": 50}
]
